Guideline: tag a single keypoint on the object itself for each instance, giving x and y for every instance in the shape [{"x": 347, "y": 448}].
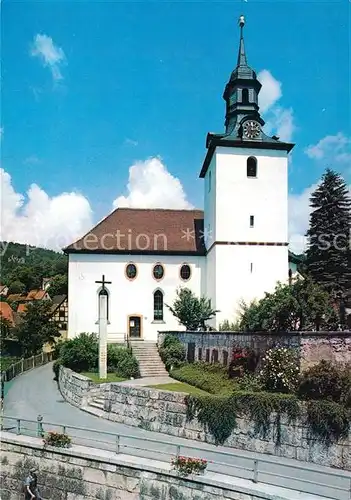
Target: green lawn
[
  {"x": 111, "y": 377},
  {"x": 180, "y": 387}
]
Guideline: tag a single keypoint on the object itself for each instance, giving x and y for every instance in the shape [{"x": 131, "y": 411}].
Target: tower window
[
  {"x": 158, "y": 305},
  {"x": 209, "y": 181},
  {"x": 252, "y": 220},
  {"x": 251, "y": 267},
  {"x": 251, "y": 167},
  {"x": 245, "y": 96}
]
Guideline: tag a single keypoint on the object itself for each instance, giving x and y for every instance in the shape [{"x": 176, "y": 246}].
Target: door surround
[{"x": 129, "y": 317}]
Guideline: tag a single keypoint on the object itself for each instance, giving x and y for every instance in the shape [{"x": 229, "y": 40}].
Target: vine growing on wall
[{"x": 327, "y": 421}]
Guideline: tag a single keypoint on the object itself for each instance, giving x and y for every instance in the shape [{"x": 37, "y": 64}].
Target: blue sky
[{"x": 127, "y": 81}]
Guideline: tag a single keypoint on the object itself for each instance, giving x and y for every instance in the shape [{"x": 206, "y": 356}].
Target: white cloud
[
  {"x": 336, "y": 147},
  {"x": 40, "y": 220},
  {"x": 50, "y": 54},
  {"x": 151, "y": 185},
  {"x": 279, "y": 120},
  {"x": 270, "y": 92}
]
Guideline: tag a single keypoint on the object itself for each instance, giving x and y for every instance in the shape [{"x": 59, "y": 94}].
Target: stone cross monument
[{"x": 103, "y": 298}]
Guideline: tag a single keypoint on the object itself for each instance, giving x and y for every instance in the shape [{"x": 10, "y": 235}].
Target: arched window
[
  {"x": 104, "y": 292},
  {"x": 158, "y": 305},
  {"x": 245, "y": 96},
  {"x": 251, "y": 167}
]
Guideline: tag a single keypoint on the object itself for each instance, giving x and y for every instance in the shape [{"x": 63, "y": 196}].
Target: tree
[
  {"x": 328, "y": 255},
  {"x": 303, "y": 305},
  {"x": 191, "y": 311},
  {"x": 37, "y": 328},
  {"x": 58, "y": 285},
  {"x": 17, "y": 287}
]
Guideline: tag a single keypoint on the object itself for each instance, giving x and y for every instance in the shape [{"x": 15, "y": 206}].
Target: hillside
[{"x": 29, "y": 265}]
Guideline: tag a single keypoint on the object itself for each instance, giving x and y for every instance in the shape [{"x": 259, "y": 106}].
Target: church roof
[{"x": 145, "y": 231}]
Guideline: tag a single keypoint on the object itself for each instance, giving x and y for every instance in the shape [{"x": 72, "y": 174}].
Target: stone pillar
[{"x": 103, "y": 336}]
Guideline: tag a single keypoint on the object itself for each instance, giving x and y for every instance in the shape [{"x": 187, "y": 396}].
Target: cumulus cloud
[
  {"x": 151, "y": 185},
  {"x": 336, "y": 147},
  {"x": 279, "y": 120},
  {"x": 40, "y": 220},
  {"x": 49, "y": 54}
]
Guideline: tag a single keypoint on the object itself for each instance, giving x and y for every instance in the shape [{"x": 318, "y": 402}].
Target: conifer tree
[{"x": 328, "y": 256}]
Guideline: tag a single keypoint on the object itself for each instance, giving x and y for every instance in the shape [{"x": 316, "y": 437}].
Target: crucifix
[{"x": 103, "y": 298}]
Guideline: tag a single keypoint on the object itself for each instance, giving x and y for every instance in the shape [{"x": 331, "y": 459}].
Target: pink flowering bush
[{"x": 280, "y": 370}]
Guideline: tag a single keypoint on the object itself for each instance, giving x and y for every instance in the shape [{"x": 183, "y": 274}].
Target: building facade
[{"x": 235, "y": 250}]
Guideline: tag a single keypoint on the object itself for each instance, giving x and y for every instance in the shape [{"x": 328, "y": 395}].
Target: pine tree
[{"x": 328, "y": 256}]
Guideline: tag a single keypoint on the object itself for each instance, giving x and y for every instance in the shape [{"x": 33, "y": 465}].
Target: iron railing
[
  {"x": 304, "y": 478},
  {"x": 24, "y": 365}
]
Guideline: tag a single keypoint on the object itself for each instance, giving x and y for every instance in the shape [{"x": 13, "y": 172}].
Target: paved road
[{"x": 36, "y": 392}]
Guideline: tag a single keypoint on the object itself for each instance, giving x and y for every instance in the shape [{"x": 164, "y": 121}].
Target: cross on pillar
[
  {"x": 103, "y": 282},
  {"x": 103, "y": 298}
]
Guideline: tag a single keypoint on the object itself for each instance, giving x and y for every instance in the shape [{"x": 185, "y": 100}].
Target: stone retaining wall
[
  {"x": 81, "y": 473},
  {"x": 310, "y": 346},
  {"x": 164, "y": 411}
]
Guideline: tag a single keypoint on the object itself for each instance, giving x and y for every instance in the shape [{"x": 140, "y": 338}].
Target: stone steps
[{"x": 150, "y": 363}]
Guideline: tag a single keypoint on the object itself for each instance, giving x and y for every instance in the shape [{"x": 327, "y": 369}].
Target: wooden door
[{"x": 134, "y": 325}]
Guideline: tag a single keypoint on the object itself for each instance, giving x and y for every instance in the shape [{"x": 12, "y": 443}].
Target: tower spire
[{"x": 242, "y": 61}]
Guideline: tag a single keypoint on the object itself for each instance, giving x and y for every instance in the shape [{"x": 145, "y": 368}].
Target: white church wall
[
  {"x": 238, "y": 196},
  {"x": 246, "y": 273},
  {"x": 126, "y": 297}
]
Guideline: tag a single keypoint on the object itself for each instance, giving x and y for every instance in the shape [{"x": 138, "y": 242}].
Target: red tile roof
[
  {"x": 6, "y": 312},
  {"x": 14, "y": 297},
  {"x": 22, "y": 308},
  {"x": 153, "y": 231},
  {"x": 36, "y": 295}
]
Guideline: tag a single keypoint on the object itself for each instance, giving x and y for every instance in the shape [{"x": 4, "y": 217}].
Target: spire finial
[{"x": 242, "y": 56}]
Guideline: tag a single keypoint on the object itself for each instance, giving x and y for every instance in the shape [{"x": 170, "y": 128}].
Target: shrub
[
  {"x": 243, "y": 360},
  {"x": 128, "y": 367},
  {"x": 280, "y": 370},
  {"x": 250, "y": 382},
  {"x": 56, "y": 368},
  {"x": 186, "y": 465},
  {"x": 172, "y": 352},
  {"x": 203, "y": 376},
  {"x": 326, "y": 381},
  {"x": 81, "y": 353},
  {"x": 328, "y": 421},
  {"x": 57, "y": 439}
]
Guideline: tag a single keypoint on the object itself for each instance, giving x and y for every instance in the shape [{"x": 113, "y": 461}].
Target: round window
[
  {"x": 185, "y": 272},
  {"x": 158, "y": 271},
  {"x": 131, "y": 271}
]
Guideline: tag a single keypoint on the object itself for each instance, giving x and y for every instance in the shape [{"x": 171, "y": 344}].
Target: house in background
[
  {"x": 7, "y": 312},
  {"x": 60, "y": 313},
  {"x": 4, "y": 290}
]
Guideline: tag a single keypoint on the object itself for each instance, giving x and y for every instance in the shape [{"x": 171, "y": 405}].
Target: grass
[
  {"x": 111, "y": 377},
  {"x": 180, "y": 387}
]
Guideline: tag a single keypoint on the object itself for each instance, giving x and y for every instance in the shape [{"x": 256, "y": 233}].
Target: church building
[{"x": 234, "y": 250}]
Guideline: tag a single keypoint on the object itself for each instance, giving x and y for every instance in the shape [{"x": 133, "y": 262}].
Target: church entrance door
[{"x": 134, "y": 326}]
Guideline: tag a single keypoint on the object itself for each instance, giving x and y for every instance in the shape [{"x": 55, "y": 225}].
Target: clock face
[{"x": 251, "y": 129}]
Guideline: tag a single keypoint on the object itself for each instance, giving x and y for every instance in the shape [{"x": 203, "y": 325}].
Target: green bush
[
  {"x": 81, "y": 353},
  {"x": 201, "y": 375},
  {"x": 250, "y": 382},
  {"x": 280, "y": 370},
  {"x": 326, "y": 381},
  {"x": 172, "y": 352},
  {"x": 56, "y": 368},
  {"x": 328, "y": 421},
  {"x": 128, "y": 367}
]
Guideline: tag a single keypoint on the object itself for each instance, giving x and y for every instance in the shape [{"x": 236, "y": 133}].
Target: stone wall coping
[
  {"x": 344, "y": 333},
  {"x": 235, "y": 484}
]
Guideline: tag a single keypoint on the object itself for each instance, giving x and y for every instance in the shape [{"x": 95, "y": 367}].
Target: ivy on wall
[{"x": 327, "y": 422}]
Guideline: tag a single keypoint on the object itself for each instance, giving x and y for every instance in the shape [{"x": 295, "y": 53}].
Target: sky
[{"x": 108, "y": 103}]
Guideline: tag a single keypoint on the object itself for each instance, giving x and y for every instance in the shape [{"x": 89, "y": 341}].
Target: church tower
[{"x": 246, "y": 199}]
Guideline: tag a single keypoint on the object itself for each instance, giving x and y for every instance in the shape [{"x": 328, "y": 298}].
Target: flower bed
[
  {"x": 187, "y": 465},
  {"x": 57, "y": 439}
]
